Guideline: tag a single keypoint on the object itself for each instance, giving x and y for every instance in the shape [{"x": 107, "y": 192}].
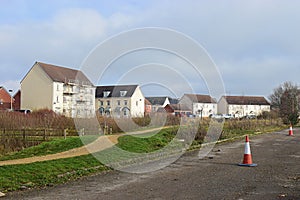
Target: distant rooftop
[
  {"x": 115, "y": 91},
  {"x": 200, "y": 98},
  {"x": 246, "y": 100}
]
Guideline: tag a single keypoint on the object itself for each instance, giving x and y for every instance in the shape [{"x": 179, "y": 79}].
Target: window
[
  {"x": 57, "y": 99},
  {"x": 106, "y": 93},
  {"x": 137, "y": 103},
  {"x": 123, "y": 93},
  {"x": 108, "y": 103},
  {"x": 125, "y": 102},
  {"x": 119, "y": 102},
  {"x": 57, "y": 87}
]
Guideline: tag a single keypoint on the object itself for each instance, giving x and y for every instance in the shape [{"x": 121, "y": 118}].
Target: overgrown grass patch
[
  {"x": 50, "y": 147},
  {"x": 145, "y": 144},
  {"x": 54, "y": 172}
]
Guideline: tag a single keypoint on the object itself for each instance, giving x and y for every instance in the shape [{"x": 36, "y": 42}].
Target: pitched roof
[
  {"x": 5, "y": 97},
  {"x": 157, "y": 100},
  {"x": 179, "y": 107},
  {"x": 63, "y": 74},
  {"x": 200, "y": 98},
  {"x": 246, "y": 100},
  {"x": 173, "y": 100},
  {"x": 147, "y": 102},
  {"x": 115, "y": 90}
]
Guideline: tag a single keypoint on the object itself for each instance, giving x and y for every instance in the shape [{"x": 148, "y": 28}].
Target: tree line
[{"x": 285, "y": 101}]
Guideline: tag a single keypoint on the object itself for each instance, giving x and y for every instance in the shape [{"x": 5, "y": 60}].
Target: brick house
[
  {"x": 6, "y": 100},
  {"x": 17, "y": 98}
]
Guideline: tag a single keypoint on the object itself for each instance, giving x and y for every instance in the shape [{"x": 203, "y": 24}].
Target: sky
[{"x": 255, "y": 44}]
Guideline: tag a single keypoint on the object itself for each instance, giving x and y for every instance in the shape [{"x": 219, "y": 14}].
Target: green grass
[
  {"x": 51, "y": 147},
  {"x": 48, "y": 173},
  {"x": 145, "y": 144}
]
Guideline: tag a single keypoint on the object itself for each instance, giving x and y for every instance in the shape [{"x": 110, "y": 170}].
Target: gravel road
[{"x": 217, "y": 176}]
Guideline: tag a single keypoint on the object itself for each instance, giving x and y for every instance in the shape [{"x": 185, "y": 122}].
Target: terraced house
[
  {"x": 120, "y": 101},
  {"x": 65, "y": 91},
  {"x": 241, "y": 106}
]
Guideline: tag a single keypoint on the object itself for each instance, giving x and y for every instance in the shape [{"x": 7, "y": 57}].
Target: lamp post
[{"x": 10, "y": 91}]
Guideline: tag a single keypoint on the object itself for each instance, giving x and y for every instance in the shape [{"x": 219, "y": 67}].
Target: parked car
[
  {"x": 25, "y": 111},
  {"x": 228, "y": 116},
  {"x": 251, "y": 116}
]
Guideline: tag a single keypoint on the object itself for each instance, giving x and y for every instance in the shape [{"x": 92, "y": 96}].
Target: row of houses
[
  {"x": 199, "y": 105},
  {"x": 69, "y": 92}
]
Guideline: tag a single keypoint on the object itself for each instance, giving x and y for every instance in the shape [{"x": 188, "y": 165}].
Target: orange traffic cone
[
  {"x": 291, "y": 130},
  {"x": 247, "y": 162}
]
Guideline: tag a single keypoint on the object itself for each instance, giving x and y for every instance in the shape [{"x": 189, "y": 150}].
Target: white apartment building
[
  {"x": 65, "y": 91},
  {"x": 120, "y": 101},
  {"x": 200, "y": 105}
]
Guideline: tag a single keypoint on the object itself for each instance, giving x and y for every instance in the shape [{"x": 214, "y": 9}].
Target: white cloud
[{"x": 254, "y": 43}]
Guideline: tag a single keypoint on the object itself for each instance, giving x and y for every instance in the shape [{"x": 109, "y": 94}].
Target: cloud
[
  {"x": 254, "y": 43},
  {"x": 64, "y": 39}
]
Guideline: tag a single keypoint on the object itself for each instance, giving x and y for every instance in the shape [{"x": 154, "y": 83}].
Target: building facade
[
  {"x": 159, "y": 103},
  {"x": 65, "y": 91},
  {"x": 200, "y": 105},
  {"x": 6, "y": 100},
  {"x": 120, "y": 101},
  {"x": 240, "y": 106}
]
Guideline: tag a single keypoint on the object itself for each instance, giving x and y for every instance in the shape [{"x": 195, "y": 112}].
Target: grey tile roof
[
  {"x": 156, "y": 100},
  {"x": 115, "y": 90}
]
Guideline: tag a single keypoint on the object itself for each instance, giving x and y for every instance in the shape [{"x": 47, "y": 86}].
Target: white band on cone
[{"x": 247, "y": 148}]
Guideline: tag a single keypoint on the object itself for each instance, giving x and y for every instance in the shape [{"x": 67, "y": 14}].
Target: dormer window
[
  {"x": 106, "y": 93},
  {"x": 123, "y": 93}
]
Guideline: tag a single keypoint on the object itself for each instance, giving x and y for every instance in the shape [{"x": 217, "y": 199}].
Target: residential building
[
  {"x": 17, "y": 102},
  {"x": 240, "y": 106},
  {"x": 178, "y": 110},
  {"x": 148, "y": 107},
  {"x": 120, "y": 101},
  {"x": 65, "y": 91},
  {"x": 201, "y": 105},
  {"x": 6, "y": 100},
  {"x": 158, "y": 103}
]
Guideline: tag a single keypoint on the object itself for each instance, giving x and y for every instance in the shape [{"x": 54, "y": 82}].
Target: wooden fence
[{"x": 17, "y": 139}]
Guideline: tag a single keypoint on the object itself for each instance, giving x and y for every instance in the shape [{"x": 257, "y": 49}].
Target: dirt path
[{"x": 103, "y": 142}]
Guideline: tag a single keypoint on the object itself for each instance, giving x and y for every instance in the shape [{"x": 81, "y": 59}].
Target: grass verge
[
  {"x": 50, "y": 147},
  {"x": 48, "y": 173}
]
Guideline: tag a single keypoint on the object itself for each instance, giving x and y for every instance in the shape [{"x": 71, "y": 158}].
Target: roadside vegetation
[{"x": 49, "y": 173}]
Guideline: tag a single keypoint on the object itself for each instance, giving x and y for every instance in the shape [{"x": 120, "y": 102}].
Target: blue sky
[{"x": 255, "y": 44}]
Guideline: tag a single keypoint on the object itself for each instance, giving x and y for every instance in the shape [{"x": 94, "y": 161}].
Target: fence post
[
  {"x": 65, "y": 133},
  {"x": 44, "y": 136},
  {"x": 99, "y": 130},
  {"x": 24, "y": 135}
]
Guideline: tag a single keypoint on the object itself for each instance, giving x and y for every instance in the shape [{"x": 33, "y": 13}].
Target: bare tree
[{"x": 285, "y": 100}]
